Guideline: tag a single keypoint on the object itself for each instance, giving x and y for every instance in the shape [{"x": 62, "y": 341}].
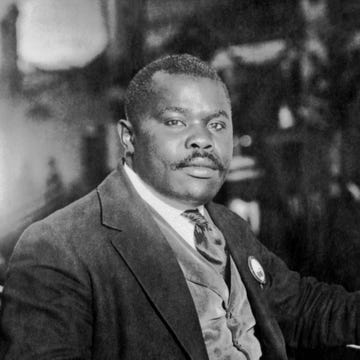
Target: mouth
[
  {"x": 204, "y": 170},
  {"x": 202, "y": 163}
]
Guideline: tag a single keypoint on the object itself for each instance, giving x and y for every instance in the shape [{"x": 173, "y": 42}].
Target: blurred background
[{"x": 292, "y": 67}]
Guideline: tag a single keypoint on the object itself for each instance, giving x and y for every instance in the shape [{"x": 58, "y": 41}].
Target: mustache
[{"x": 216, "y": 162}]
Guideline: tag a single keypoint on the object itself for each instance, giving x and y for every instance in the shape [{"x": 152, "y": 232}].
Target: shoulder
[
  {"x": 221, "y": 210},
  {"x": 79, "y": 211},
  {"x": 53, "y": 234},
  {"x": 238, "y": 232},
  {"x": 221, "y": 214}
]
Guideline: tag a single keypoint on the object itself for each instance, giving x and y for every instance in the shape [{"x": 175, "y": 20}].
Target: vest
[{"x": 225, "y": 316}]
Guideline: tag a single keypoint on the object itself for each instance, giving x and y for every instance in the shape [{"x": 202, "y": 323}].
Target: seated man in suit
[{"x": 148, "y": 267}]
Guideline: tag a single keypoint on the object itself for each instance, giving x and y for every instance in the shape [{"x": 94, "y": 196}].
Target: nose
[{"x": 199, "y": 138}]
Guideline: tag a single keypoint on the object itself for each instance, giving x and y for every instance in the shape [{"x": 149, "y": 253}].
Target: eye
[
  {"x": 217, "y": 126},
  {"x": 174, "y": 123}
]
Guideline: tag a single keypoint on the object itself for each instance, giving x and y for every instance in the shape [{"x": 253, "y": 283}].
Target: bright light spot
[
  {"x": 286, "y": 118},
  {"x": 260, "y": 52},
  {"x": 222, "y": 60},
  {"x": 249, "y": 211},
  {"x": 314, "y": 10},
  {"x": 60, "y": 34},
  {"x": 245, "y": 141}
]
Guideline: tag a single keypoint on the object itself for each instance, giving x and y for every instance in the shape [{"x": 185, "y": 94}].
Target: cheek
[
  {"x": 162, "y": 150},
  {"x": 152, "y": 156}
]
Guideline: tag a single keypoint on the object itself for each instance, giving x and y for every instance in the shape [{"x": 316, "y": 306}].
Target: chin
[
  {"x": 194, "y": 192},
  {"x": 200, "y": 198}
]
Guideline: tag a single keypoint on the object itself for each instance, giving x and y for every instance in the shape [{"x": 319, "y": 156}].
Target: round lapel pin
[{"x": 257, "y": 271}]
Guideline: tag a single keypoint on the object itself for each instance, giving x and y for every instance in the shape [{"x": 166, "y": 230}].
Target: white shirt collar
[{"x": 172, "y": 215}]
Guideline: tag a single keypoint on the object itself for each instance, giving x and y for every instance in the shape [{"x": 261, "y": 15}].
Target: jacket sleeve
[
  {"x": 310, "y": 313},
  {"x": 46, "y": 309}
]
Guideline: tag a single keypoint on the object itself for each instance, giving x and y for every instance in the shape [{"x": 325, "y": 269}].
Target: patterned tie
[{"x": 208, "y": 241}]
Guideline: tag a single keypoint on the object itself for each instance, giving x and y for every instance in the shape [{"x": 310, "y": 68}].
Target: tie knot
[{"x": 195, "y": 217}]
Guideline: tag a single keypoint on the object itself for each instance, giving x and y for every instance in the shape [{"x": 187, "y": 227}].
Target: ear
[{"x": 126, "y": 134}]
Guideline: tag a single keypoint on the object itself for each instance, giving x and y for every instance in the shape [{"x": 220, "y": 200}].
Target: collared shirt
[{"x": 172, "y": 215}]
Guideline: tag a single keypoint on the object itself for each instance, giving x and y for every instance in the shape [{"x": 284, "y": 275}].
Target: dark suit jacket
[{"x": 97, "y": 280}]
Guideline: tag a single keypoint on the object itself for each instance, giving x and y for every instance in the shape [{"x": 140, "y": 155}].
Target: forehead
[{"x": 188, "y": 91}]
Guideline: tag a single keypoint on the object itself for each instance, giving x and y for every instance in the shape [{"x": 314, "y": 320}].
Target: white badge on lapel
[{"x": 257, "y": 271}]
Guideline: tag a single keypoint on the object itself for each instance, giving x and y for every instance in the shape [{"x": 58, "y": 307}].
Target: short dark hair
[{"x": 139, "y": 89}]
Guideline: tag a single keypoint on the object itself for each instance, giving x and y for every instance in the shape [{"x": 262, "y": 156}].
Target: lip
[
  {"x": 201, "y": 172},
  {"x": 202, "y": 162}
]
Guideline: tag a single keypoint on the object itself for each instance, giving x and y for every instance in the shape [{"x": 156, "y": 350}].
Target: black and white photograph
[{"x": 179, "y": 179}]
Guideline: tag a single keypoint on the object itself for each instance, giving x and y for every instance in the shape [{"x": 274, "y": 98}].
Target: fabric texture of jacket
[{"x": 97, "y": 280}]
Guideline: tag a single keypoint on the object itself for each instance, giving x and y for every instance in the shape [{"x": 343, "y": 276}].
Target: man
[{"x": 147, "y": 267}]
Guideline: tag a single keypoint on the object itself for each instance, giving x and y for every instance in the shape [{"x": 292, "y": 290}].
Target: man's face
[{"x": 183, "y": 142}]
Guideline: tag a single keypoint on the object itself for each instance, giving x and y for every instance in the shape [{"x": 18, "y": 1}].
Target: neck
[{"x": 178, "y": 204}]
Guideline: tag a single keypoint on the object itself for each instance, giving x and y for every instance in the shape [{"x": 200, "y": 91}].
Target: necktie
[{"x": 208, "y": 241}]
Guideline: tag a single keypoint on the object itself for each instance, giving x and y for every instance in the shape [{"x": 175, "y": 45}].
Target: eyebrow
[
  {"x": 184, "y": 112},
  {"x": 218, "y": 114},
  {"x": 174, "y": 109}
]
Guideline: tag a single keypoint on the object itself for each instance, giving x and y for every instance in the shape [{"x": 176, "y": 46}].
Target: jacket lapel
[
  {"x": 144, "y": 249},
  {"x": 241, "y": 248}
]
